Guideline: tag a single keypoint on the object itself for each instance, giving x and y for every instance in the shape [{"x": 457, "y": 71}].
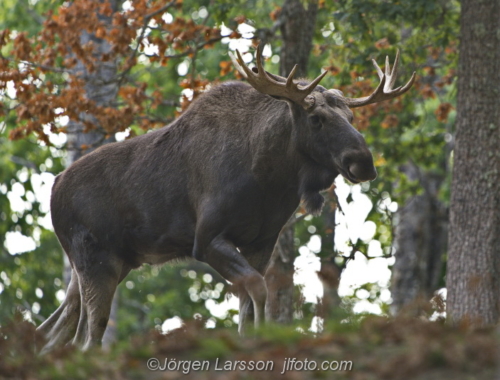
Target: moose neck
[
  {"x": 274, "y": 162},
  {"x": 313, "y": 177}
]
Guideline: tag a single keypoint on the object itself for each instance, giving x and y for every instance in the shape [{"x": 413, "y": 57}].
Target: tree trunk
[
  {"x": 102, "y": 89},
  {"x": 297, "y": 31},
  {"x": 330, "y": 272},
  {"x": 473, "y": 277},
  {"x": 420, "y": 242},
  {"x": 279, "y": 279},
  {"x": 297, "y": 28}
]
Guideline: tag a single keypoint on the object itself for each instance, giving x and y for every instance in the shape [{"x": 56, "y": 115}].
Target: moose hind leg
[
  {"x": 61, "y": 326},
  {"x": 98, "y": 270},
  {"x": 98, "y": 281},
  {"x": 246, "y": 315},
  {"x": 258, "y": 257}
]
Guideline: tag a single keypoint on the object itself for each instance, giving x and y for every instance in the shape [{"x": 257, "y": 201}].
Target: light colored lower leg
[
  {"x": 246, "y": 311},
  {"x": 60, "y": 327},
  {"x": 257, "y": 290},
  {"x": 97, "y": 297},
  {"x": 82, "y": 331}
]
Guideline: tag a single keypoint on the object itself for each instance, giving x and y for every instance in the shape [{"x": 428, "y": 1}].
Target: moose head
[{"x": 322, "y": 118}]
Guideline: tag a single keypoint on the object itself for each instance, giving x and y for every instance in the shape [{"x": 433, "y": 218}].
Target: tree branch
[
  {"x": 26, "y": 163},
  {"x": 147, "y": 18}
]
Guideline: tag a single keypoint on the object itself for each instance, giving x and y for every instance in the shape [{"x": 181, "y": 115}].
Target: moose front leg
[
  {"x": 258, "y": 256},
  {"x": 223, "y": 256}
]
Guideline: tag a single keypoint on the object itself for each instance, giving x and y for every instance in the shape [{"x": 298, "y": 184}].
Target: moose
[{"x": 216, "y": 185}]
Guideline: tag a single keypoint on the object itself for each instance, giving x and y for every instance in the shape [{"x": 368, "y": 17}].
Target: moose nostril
[
  {"x": 358, "y": 165},
  {"x": 362, "y": 172},
  {"x": 351, "y": 169},
  {"x": 355, "y": 170}
]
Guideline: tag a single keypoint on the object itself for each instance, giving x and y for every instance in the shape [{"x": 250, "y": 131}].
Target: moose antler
[
  {"x": 276, "y": 85},
  {"x": 384, "y": 90}
]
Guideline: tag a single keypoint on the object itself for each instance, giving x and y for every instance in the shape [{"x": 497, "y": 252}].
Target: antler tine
[
  {"x": 239, "y": 64},
  {"x": 408, "y": 85},
  {"x": 379, "y": 70},
  {"x": 260, "y": 66},
  {"x": 315, "y": 82},
  {"x": 394, "y": 72},
  {"x": 289, "y": 80},
  {"x": 276, "y": 85},
  {"x": 384, "y": 90}
]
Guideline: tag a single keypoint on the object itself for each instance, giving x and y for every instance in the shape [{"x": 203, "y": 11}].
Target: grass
[{"x": 377, "y": 348}]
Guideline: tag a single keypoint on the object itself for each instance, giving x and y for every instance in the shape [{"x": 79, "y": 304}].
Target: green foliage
[
  {"x": 422, "y": 29},
  {"x": 28, "y": 281},
  {"x": 349, "y": 33},
  {"x": 151, "y": 295},
  {"x": 24, "y": 14}
]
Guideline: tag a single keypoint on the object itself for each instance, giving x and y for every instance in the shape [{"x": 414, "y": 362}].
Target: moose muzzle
[{"x": 358, "y": 166}]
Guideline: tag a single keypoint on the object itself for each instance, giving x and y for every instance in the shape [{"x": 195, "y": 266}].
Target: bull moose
[{"x": 217, "y": 185}]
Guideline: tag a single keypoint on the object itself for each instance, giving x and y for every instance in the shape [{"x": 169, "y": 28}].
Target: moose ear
[
  {"x": 336, "y": 92},
  {"x": 288, "y": 101},
  {"x": 308, "y": 103}
]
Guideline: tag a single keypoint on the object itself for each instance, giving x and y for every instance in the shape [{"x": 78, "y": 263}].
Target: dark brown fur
[{"x": 227, "y": 174}]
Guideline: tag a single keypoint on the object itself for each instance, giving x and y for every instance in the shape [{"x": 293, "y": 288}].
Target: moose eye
[{"x": 315, "y": 121}]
